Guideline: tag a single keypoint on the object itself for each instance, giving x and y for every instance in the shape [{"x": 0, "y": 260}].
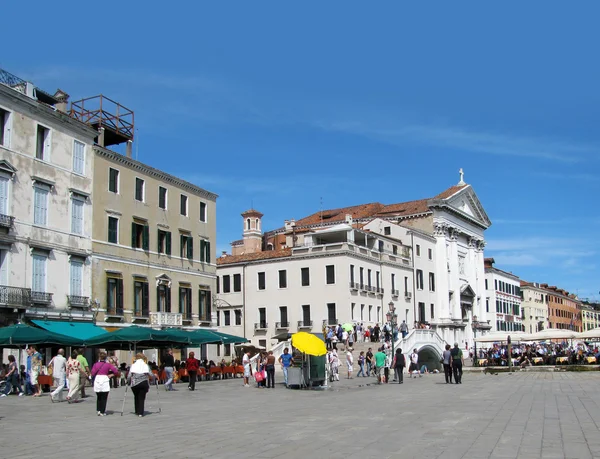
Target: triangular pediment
[
  {"x": 466, "y": 202},
  {"x": 467, "y": 291},
  {"x": 7, "y": 167}
]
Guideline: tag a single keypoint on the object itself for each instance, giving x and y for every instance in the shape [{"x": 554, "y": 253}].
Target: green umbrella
[
  {"x": 230, "y": 339},
  {"x": 139, "y": 336},
  {"x": 348, "y": 327},
  {"x": 20, "y": 334}
]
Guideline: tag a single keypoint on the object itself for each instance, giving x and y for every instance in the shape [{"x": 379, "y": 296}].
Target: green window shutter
[
  {"x": 207, "y": 251},
  {"x": 145, "y": 299},
  {"x": 158, "y": 299},
  {"x": 120, "y": 294},
  {"x": 168, "y": 243},
  {"x": 202, "y": 249},
  {"x": 190, "y": 248},
  {"x": 181, "y": 245},
  {"x": 109, "y": 304},
  {"x": 146, "y": 238},
  {"x": 158, "y": 241},
  {"x": 133, "y": 238},
  {"x": 168, "y": 297}
]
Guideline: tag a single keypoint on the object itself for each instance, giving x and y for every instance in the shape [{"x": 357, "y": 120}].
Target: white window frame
[
  {"x": 7, "y": 126},
  {"x": 81, "y": 200},
  {"x": 80, "y": 265},
  {"x": 47, "y": 150},
  {"x": 75, "y": 144},
  {"x": 42, "y": 258},
  {"x": 108, "y": 226},
  {"x": 45, "y": 188},
  {"x": 143, "y": 190}
]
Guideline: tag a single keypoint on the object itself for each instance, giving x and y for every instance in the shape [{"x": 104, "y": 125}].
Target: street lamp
[
  {"x": 392, "y": 318},
  {"x": 474, "y": 325}
]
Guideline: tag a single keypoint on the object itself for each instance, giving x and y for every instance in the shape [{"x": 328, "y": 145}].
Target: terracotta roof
[
  {"x": 252, "y": 212},
  {"x": 405, "y": 208},
  {"x": 339, "y": 215},
  {"x": 450, "y": 191},
  {"x": 230, "y": 259}
]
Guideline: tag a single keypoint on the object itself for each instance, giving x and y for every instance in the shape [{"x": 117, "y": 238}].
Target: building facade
[
  {"x": 153, "y": 246},
  {"x": 439, "y": 280},
  {"x": 46, "y": 172},
  {"x": 590, "y": 315},
  {"x": 503, "y": 297},
  {"x": 535, "y": 307},
  {"x": 564, "y": 309}
]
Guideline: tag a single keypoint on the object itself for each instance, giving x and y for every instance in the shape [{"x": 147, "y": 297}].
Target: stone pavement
[{"x": 521, "y": 415}]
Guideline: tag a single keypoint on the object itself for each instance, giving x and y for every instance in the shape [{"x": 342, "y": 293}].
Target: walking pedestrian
[
  {"x": 361, "y": 365},
  {"x": 169, "y": 364},
  {"x": 247, "y": 368},
  {"x": 102, "y": 373},
  {"x": 399, "y": 364},
  {"x": 270, "y": 369},
  {"x": 370, "y": 361},
  {"x": 457, "y": 363},
  {"x": 335, "y": 365},
  {"x": 138, "y": 380},
  {"x": 59, "y": 374},
  {"x": 73, "y": 376},
  {"x": 379, "y": 364},
  {"x": 447, "y": 362},
  {"x": 12, "y": 378},
  {"x": 34, "y": 366},
  {"x": 84, "y": 371},
  {"x": 350, "y": 362},
  {"x": 404, "y": 329},
  {"x": 192, "y": 364},
  {"x": 285, "y": 360},
  {"x": 414, "y": 364}
]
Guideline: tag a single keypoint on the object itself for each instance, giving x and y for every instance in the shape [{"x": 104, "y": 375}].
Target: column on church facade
[
  {"x": 441, "y": 269},
  {"x": 479, "y": 256},
  {"x": 454, "y": 281}
]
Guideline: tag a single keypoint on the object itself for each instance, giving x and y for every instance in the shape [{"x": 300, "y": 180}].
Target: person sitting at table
[{"x": 223, "y": 365}]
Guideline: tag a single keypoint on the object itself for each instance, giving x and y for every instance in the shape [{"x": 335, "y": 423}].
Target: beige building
[
  {"x": 590, "y": 315},
  {"x": 46, "y": 169},
  {"x": 535, "y": 307},
  {"x": 153, "y": 246}
]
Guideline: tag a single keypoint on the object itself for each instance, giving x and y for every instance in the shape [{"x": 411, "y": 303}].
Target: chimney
[
  {"x": 349, "y": 219},
  {"x": 63, "y": 100}
]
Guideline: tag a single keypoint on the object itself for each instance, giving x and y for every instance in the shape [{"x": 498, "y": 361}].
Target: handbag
[{"x": 259, "y": 376}]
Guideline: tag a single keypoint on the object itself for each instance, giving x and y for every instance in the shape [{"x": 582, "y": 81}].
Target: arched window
[
  {"x": 248, "y": 224},
  {"x": 257, "y": 225}
]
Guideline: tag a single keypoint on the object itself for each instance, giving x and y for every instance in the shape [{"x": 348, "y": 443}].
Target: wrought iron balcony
[
  {"x": 114, "y": 311},
  {"x": 395, "y": 293},
  {"x": 41, "y": 297},
  {"x": 261, "y": 326},
  {"x": 281, "y": 325},
  {"x": 6, "y": 221},
  {"x": 14, "y": 296},
  {"x": 305, "y": 324},
  {"x": 76, "y": 301}
]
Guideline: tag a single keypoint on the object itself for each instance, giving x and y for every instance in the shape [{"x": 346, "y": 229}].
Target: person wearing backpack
[
  {"x": 399, "y": 364},
  {"x": 457, "y": 363}
]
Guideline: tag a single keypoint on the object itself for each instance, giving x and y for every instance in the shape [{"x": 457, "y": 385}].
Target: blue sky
[{"x": 281, "y": 105}]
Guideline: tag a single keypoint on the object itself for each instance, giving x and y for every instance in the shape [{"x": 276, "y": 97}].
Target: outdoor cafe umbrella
[
  {"x": 594, "y": 333},
  {"x": 500, "y": 337},
  {"x": 551, "y": 333},
  {"x": 308, "y": 343},
  {"x": 21, "y": 334},
  {"x": 136, "y": 335},
  {"x": 348, "y": 327}
]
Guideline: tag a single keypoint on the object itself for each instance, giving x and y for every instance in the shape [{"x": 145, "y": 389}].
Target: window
[
  {"x": 405, "y": 283},
  {"x": 5, "y": 127},
  {"x": 419, "y": 279},
  {"x": 238, "y": 317},
  {"x": 283, "y": 316},
  {"x": 262, "y": 317},
  {"x": 226, "y": 283},
  {"x": 204, "y": 251},
  {"x": 4, "y": 181},
  {"x": 140, "y": 236},
  {"x": 202, "y": 211},
  {"x": 430, "y": 254},
  {"x": 204, "y": 305},
  {"x": 487, "y": 305},
  {"x": 227, "y": 349},
  {"x": 164, "y": 242},
  {"x": 183, "y": 205},
  {"x": 187, "y": 246},
  {"x": 377, "y": 280},
  {"x": 77, "y": 206},
  {"x": 237, "y": 282},
  {"x": 352, "y": 311},
  {"x": 261, "y": 281},
  {"x": 163, "y": 298},
  {"x": 44, "y": 141},
  {"x": 361, "y": 276},
  {"x": 76, "y": 277},
  {"x": 185, "y": 302},
  {"x": 422, "y": 312},
  {"x": 351, "y": 275},
  {"x": 431, "y": 282},
  {"x": 369, "y": 277},
  {"x": 331, "y": 317},
  {"x": 283, "y": 278},
  {"x": 370, "y": 310},
  {"x": 305, "y": 273},
  {"x": 141, "y": 304},
  {"x": 330, "y": 274},
  {"x": 394, "y": 249},
  {"x": 306, "y": 315},
  {"x": 78, "y": 157},
  {"x": 486, "y": 284},
  {"x": 218, "y": 284},
  {"x": 432, "y": 310},
  {"x": 113, "y": 230},
  {"x": 393, "y": 283},
  {"x": 387, "y": 230},
  {"x": 114, "y": 295},
  {"x": 162, "y": 197},
  {"x": 362, "y": 312},
  {"x": 139, "y": 189},
  {"x": 113, "y": 180},
  {"x": 418, "y": 250},
  {"x": 40, "y": 204}
]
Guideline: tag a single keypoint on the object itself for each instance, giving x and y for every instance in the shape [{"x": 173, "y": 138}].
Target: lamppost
[
  {"x": 392, "y": 318},
  {"x": 474, "y": 325}
]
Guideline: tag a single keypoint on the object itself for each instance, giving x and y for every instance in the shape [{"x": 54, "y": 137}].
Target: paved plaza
[{"x": 523, "y": 415}]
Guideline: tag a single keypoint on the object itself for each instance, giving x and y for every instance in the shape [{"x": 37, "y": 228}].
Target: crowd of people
[
  {"x": 547, "y": 353},
  {"x": 358, "y": 333}
]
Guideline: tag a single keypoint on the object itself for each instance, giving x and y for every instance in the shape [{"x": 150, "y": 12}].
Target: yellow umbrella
[{"x": 308, "y": 344}]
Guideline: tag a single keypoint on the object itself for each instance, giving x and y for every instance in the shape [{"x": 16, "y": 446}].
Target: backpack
[
  {"x": 455, "y": 353},
  {"x": 400, "y": 361}
]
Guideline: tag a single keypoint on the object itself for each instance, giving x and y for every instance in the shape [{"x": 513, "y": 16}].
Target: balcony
[
  {"x": 261, "y": 326},
  {"x": 395, "y": 293},
  {"x": 330, "y": 321},
  {"x": 402, "y": 258},
  {"x": 305, "y": 324},
  {"x": 141, "y": 315},
  {"x": 166, "y": 319},
  {"x": 282, "y": 325},
  {"x": 14, "y": 296},
  {"x": 41, "y": 298},
  {"x": 77, "y": 301},
  {"x": 353, "y": 286},
  {"x": 6, "y": 221},
  {"x": 379, "y": 290},
  {"x": 186, "y": 317}
]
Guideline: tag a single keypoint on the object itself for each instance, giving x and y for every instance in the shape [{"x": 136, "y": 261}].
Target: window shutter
[
  {"x": 76, "y": 278},
  {"x": 168, "y": 243},
  {"x": 40, "y": 206},
  {"x": 108, "y": 297},
  {"x": 190, "y": 248},
  {"x": 168, "y": 298},
  {"x": 77, "y": 216},
  {"x": 120, "y": 294},
  {"x": 181, "y": 245},
  {"x": 39, "y": 274},
  {"x": 3, "y": 195},
  {"x": 202, "y": 249},
  {"x": 158, "y": 309},
  {"x": 47, "y": 145},
  {"x": 181, "y": 304},
  {"x": 133, "y": 238},
  {"x": 78, "y": 157},
  {"x": 207, "y": 246},
  {"x": 158, "y": 241},
  {"x": 146, "y": 238},
  {"x": 145, "y": 296}
]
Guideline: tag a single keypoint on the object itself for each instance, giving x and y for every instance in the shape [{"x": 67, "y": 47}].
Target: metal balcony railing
[
  {"x": 261, "y": 326},
  {"x": 41, "y": 297},
  {"x": 77, "y": 301},
  {"x": 281, "y": 325},
  {"x": 14, "y": 296},
  {"x": 6, "y": 221},
  {"x": 305, "y": 324},
  {"x": 395, "y": 293}
]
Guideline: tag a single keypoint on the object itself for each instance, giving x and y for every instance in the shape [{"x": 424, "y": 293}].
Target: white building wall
[
  {"x": 535, "y": 308},
  {"x": 496, "y": 297}
]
